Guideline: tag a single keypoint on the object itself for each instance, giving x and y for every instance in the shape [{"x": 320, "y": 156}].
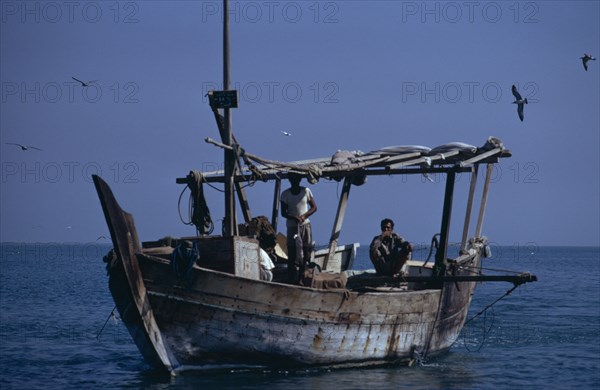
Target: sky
[{"x": 337, "y": 75}]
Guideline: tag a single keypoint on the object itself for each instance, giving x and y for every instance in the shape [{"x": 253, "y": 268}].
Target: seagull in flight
[
  {"x": 519, "y": 102},
  {"x": 101, "y": 238},
  {"x": 586, "y": 57},
  {"x": 23, "y": 147},
  {"x": 286, "y": 133},
  {"x": 84, "y": 83}
]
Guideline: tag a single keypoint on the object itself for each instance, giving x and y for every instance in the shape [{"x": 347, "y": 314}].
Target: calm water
[{"x": 54, "y": 301}]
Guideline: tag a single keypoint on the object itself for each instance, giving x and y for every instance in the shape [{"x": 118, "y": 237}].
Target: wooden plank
[
  {"x": 484, "y": 197},
  {"x": 127, "y": 283},
  {"x": 481, "y": 156},
  {"x": 339, "y": 220},
  {"x": 381, "y": 280},
  {"x": 340, "y": 174},
  {"x": 472, "y": 187},
  {"x": 243, "y": 199},
  {"x": 352, "y": 166},
  {"x": 408, "y": 163},
  {"x": 441, "y": 254},
  {"x": 276, "y": 199}
]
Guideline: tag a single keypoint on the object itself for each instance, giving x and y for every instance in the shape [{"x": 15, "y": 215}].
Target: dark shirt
[{"x": 386, "y": 254}]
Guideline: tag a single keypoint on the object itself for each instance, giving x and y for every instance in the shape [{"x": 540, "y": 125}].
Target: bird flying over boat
[
  {"x": 23, "y": 147},
  {"x": 286, "y": 133},
  {"x": 520, "y": 102},
  {"x": 586, "y": 57},
  {"x": 84, "y": 83}
]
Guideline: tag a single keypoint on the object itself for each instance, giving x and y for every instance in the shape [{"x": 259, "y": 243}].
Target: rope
[
  {"x": 111, "y": 315},
  {"x": 434, "y": 243},
  {"x": 484, "y": 311},
  {"x": 491, "y": 304},
  {"x": 486, "y": 330},
  {"x": 179, "y": 208},
  {"x": 199, "y": 212}
]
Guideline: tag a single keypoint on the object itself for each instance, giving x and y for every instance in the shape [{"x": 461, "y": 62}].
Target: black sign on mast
[{"x": 223, "y": 99}]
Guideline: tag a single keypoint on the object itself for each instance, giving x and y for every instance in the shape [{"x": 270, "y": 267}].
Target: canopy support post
[
  {"x": 339, "y": 220},
  {"x": 484, "y": 197},
  {"x": 473, "y": 186},
  {"x": 276, "y": 199},
  {"x": 442, "y": 252}
]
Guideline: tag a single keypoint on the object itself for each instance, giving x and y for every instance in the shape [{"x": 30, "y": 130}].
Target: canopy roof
[{"x": 403, "y": 159}]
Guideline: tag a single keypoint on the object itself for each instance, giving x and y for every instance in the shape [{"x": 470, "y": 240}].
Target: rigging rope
[
  {"x": 492, "y": 304},
  {"x": 487, "y": 329},
  {"x": 111, "y": 315},
  {"x": 198, "y": 211},
  {"x": 434, "y": 243}
]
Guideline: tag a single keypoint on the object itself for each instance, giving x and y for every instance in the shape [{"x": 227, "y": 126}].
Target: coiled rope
[{"x": 198, "y": 212}]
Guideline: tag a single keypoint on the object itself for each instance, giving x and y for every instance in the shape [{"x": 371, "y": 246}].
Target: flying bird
[
  {"x": 84, "y": 83},
  {"x": 519, "y": 102},
  {"x": 586, "y": 57},
  {"x": 23, "y": 147},
  {"x": 286, "y": 133}
]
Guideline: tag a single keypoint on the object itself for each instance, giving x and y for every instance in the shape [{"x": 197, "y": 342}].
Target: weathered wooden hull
[{"x": 211, "y": 317}]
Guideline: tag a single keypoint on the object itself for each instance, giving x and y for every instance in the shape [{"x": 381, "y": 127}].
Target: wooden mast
[{"x": 228, "y": 155}]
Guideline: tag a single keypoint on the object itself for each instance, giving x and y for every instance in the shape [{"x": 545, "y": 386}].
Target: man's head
[
  {"x": 387, "y": 224},
  {"x": 294, "y": 179}
]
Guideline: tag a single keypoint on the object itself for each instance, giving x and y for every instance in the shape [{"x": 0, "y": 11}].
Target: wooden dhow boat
[
  {"x": 213, "y": 308},
  {"x": 199, "y": 301}
]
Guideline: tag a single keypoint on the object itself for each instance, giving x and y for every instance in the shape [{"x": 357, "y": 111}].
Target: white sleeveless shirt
[{"x": 296, "y": 204}]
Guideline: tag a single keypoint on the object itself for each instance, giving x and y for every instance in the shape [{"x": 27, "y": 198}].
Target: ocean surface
[{"x": 57, "y": 332}]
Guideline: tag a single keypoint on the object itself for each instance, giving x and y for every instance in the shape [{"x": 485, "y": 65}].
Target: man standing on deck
[
  {"x": 388, "y": 251},
  {"x": 297, "y": 204}
]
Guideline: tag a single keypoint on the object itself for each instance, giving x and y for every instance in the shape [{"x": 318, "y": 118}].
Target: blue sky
[{"x": 352, "y": 75}]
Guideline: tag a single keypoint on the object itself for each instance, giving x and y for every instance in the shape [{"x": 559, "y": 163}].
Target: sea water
[{"x": 57, "y": 330}]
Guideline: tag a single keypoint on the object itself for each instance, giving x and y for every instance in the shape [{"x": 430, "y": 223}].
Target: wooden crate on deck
[{"x": 235, "y": 255}]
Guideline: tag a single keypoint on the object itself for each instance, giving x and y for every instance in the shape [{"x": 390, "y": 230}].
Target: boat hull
[
  {"x": 205, "y": 317},
  {"x": 210, "y": 317}
]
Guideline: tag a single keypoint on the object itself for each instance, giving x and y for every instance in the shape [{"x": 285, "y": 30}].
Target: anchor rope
[
  {"x": 112, "y": 313},
  {"x": 486, "y": 330},
  {"x": 507, "y": 293}
]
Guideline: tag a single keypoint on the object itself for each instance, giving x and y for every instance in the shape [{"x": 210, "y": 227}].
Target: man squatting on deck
[
  {"x": 388, "y": 251},
  {"x": 295, "y": 202}
]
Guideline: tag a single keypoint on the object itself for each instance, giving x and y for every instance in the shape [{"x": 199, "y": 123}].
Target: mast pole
[{"x": 229, "y": 220}]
